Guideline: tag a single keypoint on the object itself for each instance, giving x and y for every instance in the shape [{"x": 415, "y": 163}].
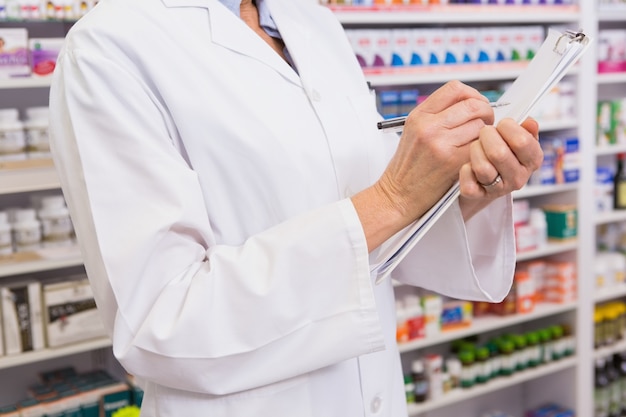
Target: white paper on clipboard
[{"x": 557, "y": 54}]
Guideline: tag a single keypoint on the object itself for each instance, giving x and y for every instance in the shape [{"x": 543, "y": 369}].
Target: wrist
[{"x": 381, "y": 214}]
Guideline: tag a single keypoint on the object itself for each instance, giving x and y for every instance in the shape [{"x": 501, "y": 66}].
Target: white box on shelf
[
  {"x": 22, "y": 317},
  {"x": 14, "y": 60},
  {"x": 71, "y": 315}
]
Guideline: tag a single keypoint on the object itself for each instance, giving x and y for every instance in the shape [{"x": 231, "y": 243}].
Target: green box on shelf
[{"x": 562, "y": 221}]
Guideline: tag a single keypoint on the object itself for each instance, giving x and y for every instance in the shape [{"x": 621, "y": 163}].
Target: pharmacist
[{"x": 229, "y": 192}]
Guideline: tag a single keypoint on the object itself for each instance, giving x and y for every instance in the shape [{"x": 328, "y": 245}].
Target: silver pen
[{"x": 398, "y": 122}]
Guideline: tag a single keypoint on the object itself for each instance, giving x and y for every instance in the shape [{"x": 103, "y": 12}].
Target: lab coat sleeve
[
  {"x": 183, "y": 311},
  {"x": 470, "y": 261}
]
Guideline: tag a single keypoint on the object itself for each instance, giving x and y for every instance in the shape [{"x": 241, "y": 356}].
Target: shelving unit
[
  {"x": 18, "y": 181},
  {"x": 573, "y": 375}
]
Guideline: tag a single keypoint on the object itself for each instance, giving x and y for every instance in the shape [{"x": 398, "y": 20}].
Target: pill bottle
[
  {"x": 55, "y": 220},
  {"x": 26, "y": 230},
  {"x": 540, "y": 227},
  {"x": 36, "y": 130},
  {"x": 6, "y": 240},
  {"x": 12, "y": 137}
]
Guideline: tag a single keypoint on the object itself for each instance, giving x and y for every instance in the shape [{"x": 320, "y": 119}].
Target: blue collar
[{"x": 267, "y": 23}]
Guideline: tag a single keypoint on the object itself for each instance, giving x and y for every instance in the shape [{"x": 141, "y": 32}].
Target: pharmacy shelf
[
  {"x": 42, "y": 260},
  {"x": 496, "y": 384},
  {"x": 457, "y": 13},
  {"x": 612, "y": 78},
  {"x": 442, "y": 73},
  {"x": 612, "y": 12},
  {"x": 52, "y": 353},
  {"x": 610, "y": 217},
  {"x": 610, "y": 149},
  {"x": 610, "y": 293},
  {"x": 561, "y": 124},
  {"x": 544, "y": 189},
  {"x": 28, "y": 175},
  {"x": 432, "y": 74},
  {"x": 609, "y": 350},
  {"x": 24, "y": 82},
  {"x": 488, "y": 323},
  {"x": 551, "y": 248}
]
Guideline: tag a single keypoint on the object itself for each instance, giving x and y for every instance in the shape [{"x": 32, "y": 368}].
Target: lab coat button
[
  {"x": 315, "y": 95},
  {"x": 376, "y": 404}
]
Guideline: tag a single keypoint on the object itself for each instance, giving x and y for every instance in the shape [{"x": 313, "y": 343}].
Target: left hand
[{"x": 510, "y": 151}]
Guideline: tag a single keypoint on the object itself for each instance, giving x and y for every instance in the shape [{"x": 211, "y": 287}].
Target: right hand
[{"x": 433, "y": 147}]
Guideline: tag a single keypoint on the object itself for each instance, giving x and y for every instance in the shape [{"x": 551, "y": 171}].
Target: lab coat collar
[{"x": 231, "y": 32}]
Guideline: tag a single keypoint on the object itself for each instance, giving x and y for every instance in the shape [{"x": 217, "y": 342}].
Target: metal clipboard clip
[{"x": 571, "y": 36}]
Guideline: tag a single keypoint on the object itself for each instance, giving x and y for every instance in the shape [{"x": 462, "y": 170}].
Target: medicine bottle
[
  {"x": 598, "y": 328},
  {"x": 12, "y": 137},
  {"x": 507, "y": 358},
  {"x": 36, "y": 130},
  {"x": 414, "y": 317},
  {"x": 420, "y": 381},
  {"x": 615, "y": 392},
  {"x": 483, "y": 366},
  {"x": 409, "y": 389},
  {"x": 402, "y": 324},
  {"x": 56, "y": 225},
  {"x": 619, "y": 183},
  {"x": 539, "y": 226},
  {"x": 601, "y": 389},
  {"x": 6, "y": 241},
  {"x": 494, "y": 358},
  {"x": 569, "y": 341},
  {"x": 545, "y": 336},
  {"x": 26, "y": 230},
  {"x": 454, "y": 369},
  {"x": 468, "y": 370},
  {"x": 521, "y": 354},
  {"x": 534, "y": 352},
  {"x": 558, "y": 348},
  {"x": 619, "y": 361}
]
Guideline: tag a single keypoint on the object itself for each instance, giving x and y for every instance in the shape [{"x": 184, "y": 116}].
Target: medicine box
[
  {"x": 43, "y": 55},
  {"x": 22, "y": 317},
  {"x": 70, "y": 311},
  {"x": 562, "y": 221},
  {"x": 14, "y": 52}
]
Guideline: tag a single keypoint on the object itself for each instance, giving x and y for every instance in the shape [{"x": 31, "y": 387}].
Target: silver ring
[{"x": 496, "y": 180}]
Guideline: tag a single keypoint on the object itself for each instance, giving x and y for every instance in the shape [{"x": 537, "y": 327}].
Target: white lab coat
[{"x": 208, "y": 183}]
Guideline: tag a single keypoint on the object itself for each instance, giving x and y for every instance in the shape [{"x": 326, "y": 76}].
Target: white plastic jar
[
  {"x": 36, "y": 130},
  {"x": 26, "y": 230},
  {"x": 6, "y": 240},
  {"x": 55, "y": 220},
  {"x": 12, "y": 136}
]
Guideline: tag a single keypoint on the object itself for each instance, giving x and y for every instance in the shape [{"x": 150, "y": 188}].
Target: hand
[
  {"x": 508, "y": 151},
  {"x": 435, "y": 144}
]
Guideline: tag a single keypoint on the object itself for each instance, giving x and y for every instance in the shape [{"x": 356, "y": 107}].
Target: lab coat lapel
[{"x": 231, "y": 32}]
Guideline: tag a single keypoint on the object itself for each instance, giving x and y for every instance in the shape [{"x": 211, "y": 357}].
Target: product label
[{"x": 620, "y": 197}]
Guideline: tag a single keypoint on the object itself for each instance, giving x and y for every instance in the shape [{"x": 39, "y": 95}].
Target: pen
[{"x": 399, "y": 121}]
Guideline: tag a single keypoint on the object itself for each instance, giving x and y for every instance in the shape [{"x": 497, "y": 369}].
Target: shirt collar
[{"x": 267, "y": 23}]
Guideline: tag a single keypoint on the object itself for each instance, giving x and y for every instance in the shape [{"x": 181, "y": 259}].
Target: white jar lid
[
  {"x": 53, "y": 201},
  {"x": 9, "y": 115},
  {"x": 39, "y": 112},
  {"x": 25, "y": 215}
]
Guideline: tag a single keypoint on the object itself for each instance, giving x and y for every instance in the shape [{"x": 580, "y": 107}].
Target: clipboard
[{"x": 556, "y": 55}]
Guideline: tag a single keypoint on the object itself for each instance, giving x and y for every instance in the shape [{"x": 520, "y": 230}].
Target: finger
[
  {"x": 532, "y": 126},
  {"x": 465, "y": 111},
  {"x": 469, "y": 185},
  {"x": 483, "y": 169},
  {"x": 522, "y": 142},
  {"x": 447, "y": 95}
]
